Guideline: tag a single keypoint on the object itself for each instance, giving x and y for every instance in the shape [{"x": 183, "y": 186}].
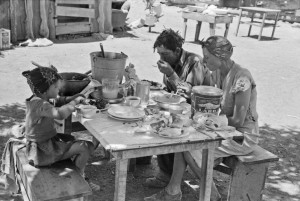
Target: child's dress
[{"x": 44, "y": 146}]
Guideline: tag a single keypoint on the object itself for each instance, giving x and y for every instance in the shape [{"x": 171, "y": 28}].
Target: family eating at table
[
  {"x": 238, "y": 104},
  {"x": 182, "y": 70}
]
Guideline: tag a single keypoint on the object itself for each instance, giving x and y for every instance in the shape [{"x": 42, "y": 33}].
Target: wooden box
[{"x": 4, "y": 39}]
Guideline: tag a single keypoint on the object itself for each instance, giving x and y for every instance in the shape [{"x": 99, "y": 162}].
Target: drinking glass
[
  {"x": 143, "y": 91},
  {"x": 110, "y": 88}
]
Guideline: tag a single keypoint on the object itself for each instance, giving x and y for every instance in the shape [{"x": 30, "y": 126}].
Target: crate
[{"x": 4, "y": 39}]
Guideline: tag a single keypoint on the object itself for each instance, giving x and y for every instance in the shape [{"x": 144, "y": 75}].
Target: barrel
[
  {"x": 206, "y": 99},
  {"x": 111, "y": 66}
]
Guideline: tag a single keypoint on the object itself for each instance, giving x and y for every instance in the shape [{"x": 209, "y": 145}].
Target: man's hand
[
  {"x": 184, "y": 89},
  {"x": 165, "y": 68}
]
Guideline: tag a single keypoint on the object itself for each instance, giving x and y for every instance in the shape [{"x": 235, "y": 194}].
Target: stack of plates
[{"x": 125, "y": 113}]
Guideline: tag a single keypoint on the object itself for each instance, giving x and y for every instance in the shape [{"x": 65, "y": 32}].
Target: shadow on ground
[{"x": 283, "y": 180}]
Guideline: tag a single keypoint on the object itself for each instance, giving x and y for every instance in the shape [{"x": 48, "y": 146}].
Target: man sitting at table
[{"x": 182, "y": 70}]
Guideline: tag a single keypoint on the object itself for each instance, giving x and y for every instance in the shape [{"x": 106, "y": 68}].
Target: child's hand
[
  {"x": 79, "y": 99},
  {"x": 75, "y": 96}
]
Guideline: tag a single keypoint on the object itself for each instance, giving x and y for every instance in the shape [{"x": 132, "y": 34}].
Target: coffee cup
[{"x": 133, "y": 101}]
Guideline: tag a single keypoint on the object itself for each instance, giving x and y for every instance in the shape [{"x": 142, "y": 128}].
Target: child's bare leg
[{"x": 81, "y": 150}]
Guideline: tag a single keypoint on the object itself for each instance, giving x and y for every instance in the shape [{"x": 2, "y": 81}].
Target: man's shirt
[{"x": 190, "y": 69}]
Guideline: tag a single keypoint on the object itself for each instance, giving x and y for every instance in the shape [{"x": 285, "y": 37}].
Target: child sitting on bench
[{"x": 44, "y": 146}]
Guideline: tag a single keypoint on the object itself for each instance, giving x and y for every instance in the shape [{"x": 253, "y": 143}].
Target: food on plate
[
  {"x": 158, "y": 126},
  {"x": 99, "y": 103},
  {"x": 209, "y": 120},
  {"x": 150, "y": 110}
]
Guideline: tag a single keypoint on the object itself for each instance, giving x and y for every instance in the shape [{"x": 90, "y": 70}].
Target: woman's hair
[
  {"x": 218, "y": 46},
  {"x": 41, "y": 78},
  {"x": 169, "y": 39}
]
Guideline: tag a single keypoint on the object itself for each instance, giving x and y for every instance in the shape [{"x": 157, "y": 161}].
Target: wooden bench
[
  {"x": 248, "y": 174},
  {"x": 60, "y": 181}
]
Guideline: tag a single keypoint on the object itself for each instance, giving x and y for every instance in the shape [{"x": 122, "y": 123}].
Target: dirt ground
[{"x": 274, "y": 64}]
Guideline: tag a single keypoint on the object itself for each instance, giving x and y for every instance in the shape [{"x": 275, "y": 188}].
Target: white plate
[
  {"x": 126, "y": 112},
  {"x": 122, "y": 119}
]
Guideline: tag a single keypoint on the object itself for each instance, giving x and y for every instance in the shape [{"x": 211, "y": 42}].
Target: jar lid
[{"x": 207, "y": 90}]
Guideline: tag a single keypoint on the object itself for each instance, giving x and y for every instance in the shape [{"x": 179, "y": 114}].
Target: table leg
[
  {"x": 212, "y": 27},
  {"x": 252, "y": 18},
  {"x": 226, "y": 29},
  {"x": 239, "y": 21},
  {"x": 120, "y": 180},
  {"x": 206, "y": 173},
  {"x": 262, "y": 25},
  {"x": 276, "y": 20},
  {"x": 184, "y": 27},
  {"x": 198, "y": 28}
]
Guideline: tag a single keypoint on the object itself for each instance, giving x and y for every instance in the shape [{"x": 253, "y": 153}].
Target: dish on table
[
  {"x": 173, "y": 133},
  {"x": 168, "y": 98},
  {"x": 124, "y": 119},
  {"x": 126, "y": 112}
]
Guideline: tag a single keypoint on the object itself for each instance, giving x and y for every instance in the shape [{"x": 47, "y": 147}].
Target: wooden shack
[{"x": 50, "y": 18}]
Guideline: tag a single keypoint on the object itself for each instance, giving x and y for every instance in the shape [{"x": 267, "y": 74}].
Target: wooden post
[
  {"x": 44, "y": 30},
  {"x": 184, "y": 27},
  {"x": 120, "y": 179},
  {"x": 51, "y": 16},
  {"x": 13, "y": 20},
  {"x": 29, "y": 17},
  {"x": 198, "y": 28},
  {"x": 101, "y": 16},
  {"x": 108, "y": 12}
]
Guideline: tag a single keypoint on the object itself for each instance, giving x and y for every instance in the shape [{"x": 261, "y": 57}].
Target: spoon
[{"x": 102, "y": 50}]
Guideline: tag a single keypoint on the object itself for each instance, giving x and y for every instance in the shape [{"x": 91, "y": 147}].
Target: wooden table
[
  {"x": 123, "y": 143},
  {"x": 262, "y": 24},
  {"x": 212, "y": 20}
]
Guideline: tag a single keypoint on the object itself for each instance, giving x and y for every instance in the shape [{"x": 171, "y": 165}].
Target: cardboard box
[{"x": 4, "y": 39}]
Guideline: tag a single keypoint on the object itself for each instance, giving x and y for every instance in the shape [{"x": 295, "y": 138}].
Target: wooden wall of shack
[{"x": 14, "y": 16}]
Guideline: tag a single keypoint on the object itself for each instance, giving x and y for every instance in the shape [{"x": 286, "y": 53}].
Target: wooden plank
[
  {"x": 120, "y": 180},
  {"x": 108, "y": 12},
  {"x": 44, "y": 30},
  {"x": 247, "y": 182},
  {"x": 75, "y": 1},
  {"x": 207, "y": 18},
  {"x": 73, "y": 23},
  {"x": 74, "y": 12},
  {"x": 260, "y": 10},
  {"x": 13, "y": 21},
  {"x": 84, "y": 28},
  {"x": 101, "y": 16},
  {"x": 29, "y": 17},
  {"x": 206, "y": 172},
  {"x": 258, "y": 24},
  {"x": 51, "y": 20},
  {"x": 259, "y": 155},
  {"x": 58, "y": 182},
  {"x": 5, "y": 13}
]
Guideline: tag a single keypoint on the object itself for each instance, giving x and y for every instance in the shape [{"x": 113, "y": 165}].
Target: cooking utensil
[{"x": 102, "y": 50}]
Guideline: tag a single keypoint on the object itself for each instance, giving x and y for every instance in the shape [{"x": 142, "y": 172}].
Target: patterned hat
[
  {"x": 41, "y": 78},
  {"x": 218, "y": 46}
]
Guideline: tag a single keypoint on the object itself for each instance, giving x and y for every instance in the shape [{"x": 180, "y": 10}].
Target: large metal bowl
[{"x": 71, "y": 87}]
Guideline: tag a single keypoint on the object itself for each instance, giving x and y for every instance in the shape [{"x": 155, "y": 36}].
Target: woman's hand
[{"x": 165, "y": 68}]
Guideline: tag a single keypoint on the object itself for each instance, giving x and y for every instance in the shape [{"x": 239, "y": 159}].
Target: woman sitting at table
[{"x": 238, "y": 104}]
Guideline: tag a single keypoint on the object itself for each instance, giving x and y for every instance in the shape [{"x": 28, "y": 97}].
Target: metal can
[{"x": 206, "y": 99}]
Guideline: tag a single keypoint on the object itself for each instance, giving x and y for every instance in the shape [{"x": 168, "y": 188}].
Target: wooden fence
[{"x": 49, "y": 18}]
